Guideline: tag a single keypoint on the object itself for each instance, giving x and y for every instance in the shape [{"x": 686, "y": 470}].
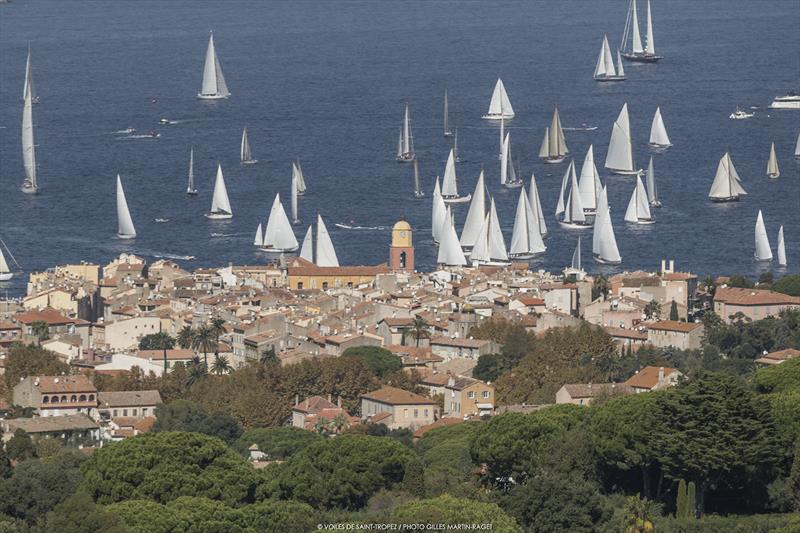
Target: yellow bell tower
[{"x": 401, "y": 253}]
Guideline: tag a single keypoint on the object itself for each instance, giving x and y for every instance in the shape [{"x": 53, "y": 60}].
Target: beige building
[
  {"x": 448, "y": 348},
  {"x": 755, "y": 304},
  {"x": 57, "y": 395},
  {"x": 681, "y": 335},
  {"x": 133, "y": 404},
  {"x": 585, "y": 393},
  {"x": 398, "y": 408},
  {"x": 653, "y": 378},
  {"x": 121, "y": 335},
  {"x": 467, "y": 397}
]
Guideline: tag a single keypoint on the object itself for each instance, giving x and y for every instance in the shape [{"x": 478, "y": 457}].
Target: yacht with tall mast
[
  {"x": 619, "y": 159},
  {"x": 631, "y": 46},
  {"x": 589, "y": 183},
  {"x": 190, "y": 188},
  {"x": 450, "y": 252},
  {"x": 295, "y": 199},
  {"x": 763, "y": 250},
  {"x": 278, "y": 234},
  {"x": 245, "y": 153},
  {"x": 220, "y": 204},
  {"x": 320, "y": 251},
  {"x": 28, "y": 88},
  {"x": 554, "y": 145},
  {"x": 652, "y": 191},
  {"x": 781, "y": 248},
  {"x": 490, "y": 246},
  {"x": 797, "y": 147},
  {"x": 125, "y": 229},
  {"x": 536, "y": 205},
  {"x": 727, "y": 186},
  {"x": 450, "y": 183},
  {"x": 30, "y": 185},
  {"x": 418, "y": 192},
  {"x": 297, "y": 172},
  {"x": 455, "y": 146},
  {"x": 569, "y": 212},
  {"x": 638, "y": 211},
  {"x": 405, "y": 146},
  {"x": 447, "y": 131},
  {"x": 605, "y": 70},
  {"x": 604, "y": 243},
  {"x": 508, "y": 176},
  {"x": 772, "y": 165},
  {"x": 5, "y": 272},
  {"x": 438, "y": 213},
  {"x": 475, "y": 215},
  {"x": 214, "y": 86},
  {"x": 526, "y": 239},
  {"x": 500, "y": 106},
  {"x": 658, "y": 132}
]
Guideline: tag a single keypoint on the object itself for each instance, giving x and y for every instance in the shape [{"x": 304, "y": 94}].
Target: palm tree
[
  {"x": 40, "y": 330},
  {"x": 197, "y": 371},
  {"x": 419, "y": 329},
  {"x": 185, "y": 337},
  {"x": 220, "y": 365},
  {"x": 204, "y": 340},
  {"x": 268, "y": 357}
]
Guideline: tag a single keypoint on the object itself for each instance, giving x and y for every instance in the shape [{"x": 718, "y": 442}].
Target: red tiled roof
[
  {"x": 740, "y": 296},
  {"x": 647, "y": 378},
  {"x": 63, "y": 384},
  {"x": 49, "y": 315},
  {"x": 672, "y": 325},
  {"x": 313, "y": 405},
  {"x": 461, "y": 343},
  {"x": 395, "y": 396}
]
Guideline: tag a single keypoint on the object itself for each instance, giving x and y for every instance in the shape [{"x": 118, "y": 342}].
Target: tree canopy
[
  {"x": 379, "y": 360},
  {"x": 277, "y": 443}
]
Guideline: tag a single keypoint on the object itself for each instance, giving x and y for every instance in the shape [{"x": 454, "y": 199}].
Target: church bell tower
[{"x": 401, "y": 253}]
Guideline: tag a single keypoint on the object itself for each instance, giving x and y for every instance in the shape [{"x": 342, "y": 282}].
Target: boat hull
[
  {"x": 219, "y": 216},
  {"x": 526, "y": 255},
  {"x": 625, "y": 172},
  {"x": 725, "y": 200},
  {"x": 30, "y": 190},
  {"x": 610, "y": 78},
  {"x": 553, "y": 160},
  {"x": 249, "y": 162},
  {"x": 419, "y": 195},
  {"x": 657, "y": 146},
  {"x": 794, "y": 104},
  {"x": 278, "y": 250},
  {"x": 5, "y": 276},
  {"x": 655, "y": 203},
  {"x": 405, "y": 158},
  {"x": 773, "y": 176},
  {"x": 490, "y": 263},
  {"x": 457, "y": 199},
  {"x": 448, "y": 134},
  {"x": 125, "y": 236},
  {"x": 643, "y": 221},
  {"x": 498, "y": 116},
  {"x": 642, "y": 58},
  {"x": 512, "y": 184},
  {"x": 201, "y": 96},
  {"x": 573, "y": 225},
  {"x": 602, "y": 261},
  {"x": 765, "y": 260},
  {"x": 192, "y": 192}
]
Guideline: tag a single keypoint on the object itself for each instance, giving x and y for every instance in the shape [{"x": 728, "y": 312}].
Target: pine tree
[
  {"x": 794, "y": 478},
  {"x": 680, "y": 507},
  {"x": 691, "y": 503},
  {"x": 673, "y": 311},
  {"x": 414, "y": 478}
]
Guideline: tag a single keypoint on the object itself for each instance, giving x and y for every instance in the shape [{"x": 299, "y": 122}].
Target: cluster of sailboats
[
  {"x": 763, "y": 251},
  {"x": 631, "y": 48}
]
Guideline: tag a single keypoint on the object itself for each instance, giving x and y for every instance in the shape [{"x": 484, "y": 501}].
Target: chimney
[
  {"x": 339, "y": 402},
  {"x": 297, "y": 399},
  {"x": 663, "y": 265},
  {"x": 329, "y": 398},
  {"x": 660, "y": 374}
]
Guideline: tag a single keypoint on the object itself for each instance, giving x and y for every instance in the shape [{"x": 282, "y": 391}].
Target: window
[
  {"x": 471, "y": 395},
  {"x": 45, "y": 399},
  {"x": 115, "y": 413},
  {"x": 324, "y": 285},
  {"x": 426, "y": 413},
  {"x": 485, "y": 394},
  {"x": 82, "y": 398},
  {"x": 144, "y": 411},
  {"x": 91, "y": 397},
  {"x": 124, "y": 412},
  {"x": 416, "y": 413},
  {"x": 405, "y": 413},
  {"x": 135, "y": 412},
  {"x": 402, "y": 259},
  {"x": 349, "y": 284},
  {"x": 299, "y": 285},
  {"x": 63, "y": 398},
  {"x": 74, "y": 398}
]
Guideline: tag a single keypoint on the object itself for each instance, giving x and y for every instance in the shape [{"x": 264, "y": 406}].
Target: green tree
[
  {"x": 221, "y": 365},
  {"x": 414, "y": 478},
  {"x": 419, "y": 330},
  {"x": 794, "y": 479},
  {"x": 40, "y": 330},
  {"x": 164, "y": 466},
  {"x": 277, "y": 443},
  {"x": 600, "y": 287},
  {"x": 680, "y": 500},
  {"x": 652, "y": 310},
  {"x": 79, "y": 514},
  {"x": 20, "y": 447},
  {"x": 379, "y": 360},
  {"x": 268, "y": 357},
  {"x": 673, "y": 311},
  {"x": 205, "y": 340},
  {"x": 23, "y": 361},
  {"x": 157, "y": 341},
  {"x": 446, "y": 509},
  {"x": 784, "y": 377},
  {"x": 183, "y": 415},
  {"x": 197, "y": 373},
  {"x": 185, "y": 337},
  {"x": 691, "y": 500},
  {"x": 740, "y": 281},
  {"x": 639, "y": 515},
  {"x": 789, "y": 284},
  {"x": 48, "y": 447},
  {"x": 5, "y": 465}
]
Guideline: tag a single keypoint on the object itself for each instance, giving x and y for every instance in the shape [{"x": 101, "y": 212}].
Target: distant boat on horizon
[
  {"x": 190, "y": 188},
  {"x": 278, "y": 234},
  {"x": 214, "y": 86},
  {"x": 447, "y": 131},
  {"x": 631, "y": 46},
  {"x": 763, "y": 251},
  {"x": 30, "y": 184},
  {"x": 554, "y": 146},
  {"x": 619, "y": 159},
  {"x": 658, "y": 132},
  {"x": 773, "y": 172},
  {"x": 405, "y": 143}
]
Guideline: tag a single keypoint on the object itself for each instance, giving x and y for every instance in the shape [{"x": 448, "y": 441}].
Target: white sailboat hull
[
  {"x": 278, "y": 250},
  {"x": 191, "y": 192},
  {"x": 457, "y": 199},
  {"x": 644, "y": 221},
  {"x": 405, "y": 158},
  {"x": 774, "y": 176},
  {"x": 250, "y": 162},
  {"x": 657, "y": 146},
  {"x": 491, "y": 262},
  {"x": 605, "y": 261},
  {"x": 202, "y": 96},
  {"x": 5, "y": 276},
  {"x": 625, "y": 172},
  {"x": 525, "y": 255},
  {"x": 727, "y": 199},
  {"x": 125, "y": 236},
  {"x": 218, "y": 216},
  {"x": 513, "y": 184},
  {"x": 655, "y": 203},
  {"x": 574, "y": 225},
  {"x": 793, "y": 104},
  {"x": 610, "y": 78},
  {"x": 553, "y": 160},
  {"x": 498, "y": 116},
  {"x": 29, "y": 190}
]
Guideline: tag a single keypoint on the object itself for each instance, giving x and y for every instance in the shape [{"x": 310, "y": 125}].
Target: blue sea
[{"x": 326, "y": 82}]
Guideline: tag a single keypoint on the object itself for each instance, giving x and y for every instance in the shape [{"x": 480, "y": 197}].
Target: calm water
[{"x": 326, "y": 82}]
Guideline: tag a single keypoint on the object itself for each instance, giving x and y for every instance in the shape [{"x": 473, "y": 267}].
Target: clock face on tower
[{"x": 402, "y": 234}]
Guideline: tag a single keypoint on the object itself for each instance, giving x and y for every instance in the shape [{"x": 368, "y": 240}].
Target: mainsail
[
  {"x": 439, "y": 212},
  {"x": 536, "y": 206},
  {"x": 525, "y": 237},
  {"x": 576, "y": 256},
  {"x": 763, "y": 251},
  {"x": 620, "y": 151},
  {"x": 589, "y": 184},
  {"x": 259, "y": 238},
  {"x": 190, "y": 186},
  {"x": 500, "y": 105},
  {"x": 652, "y": 191},
  {"x": 28, "y": 88},
  {"x": 772, "y": 165},
  {"x": 638, "y": 210},
  {"x": 450, "y": 252},
  {"x": 326, "y": 254},
  {"x": 726, "y": 185},
  {"x": 604, "y": 243},
  {"x": 245, "y": 154},
  {"x": 447, "y": 131},
  {"x": 781, "y": 248},
  {"x": 658, "y": 132},
  {"x": 450, "y": 183},
  {"x": 220, "y": 202},
  {"x": 295, "y": 218},
  {"x": 307, "y": 249},
  {"x": 278, "y": 234},
  {"x": 605, "y": 61},
  {"x": 475, "y": 215},
  {"x": 650, "y": 46},
  {"x": 214, "y": 86},
  {"x": 31, "y": 184},
  {"x": 125, "y": 229}
]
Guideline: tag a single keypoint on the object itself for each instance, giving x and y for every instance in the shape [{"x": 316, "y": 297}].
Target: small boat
[
  {"x": 790, "y": 100},
  {"x": 278, "y": 234},
  {"x": 526, "y": 239},
  {"x": 28, "y": 87},
  {"x": 652, "y": 192},
  {"x": 220, "y": 204},
  {"x": 604, "y": 70},
  {"x": 554, "y": 146},
  {"x": 125, "y": 229},
  {"x": 259, "y": 239},
  {"x": 781, "y": 248},
  {"x": 658, "y": 132},
  {"x": 633, "y": 50},
  {"x": 161, "y": 220},
  {"x": 126, "y": 131},
  {"x": 619, "y": 159},
  {"x": 214, "y": 86},
  {"x": 763, "y": 251},
  {"x": 167, "y": 121},
  {"x": 153, "y": 134},
  {"x": 418, "y": 192},
  {"x": 604, "y": 243},
  {"x": 589, "y": 183},
  {"x": 583, "y": 127},
  {"x": 405, "y": 145},
  {"x": 772, "y": 165},
  {"x": 190, "y": 189},
  {"x": 245, "y": 153},
  {"x": 490, "y": 247},
  {"x": 508, "y": 176},
  {"x": 570, "y": 213},
  {"x": 727, "y": 186},
  {"x": 638, "y": 211},
  {"x": 740, "y": 114},
  {"x": 450, "y": 183},
  {"x": 475, "y": 215},
  {"x": 30, "y": 184},
  {"x": 536, "y": 205},
  {"x": 447, "y": 131},
  {"x": 500, "y": 106}
]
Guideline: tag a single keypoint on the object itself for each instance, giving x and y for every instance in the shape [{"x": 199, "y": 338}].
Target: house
[
  {"x": 585, "y": 393},
  {"x": 303, "y": 274},
  {"x": 124, "y": 334},
  {"x": 465, "y": 396},
  {"x": 307, "y": 408},
  {"x": 128, "y": 404},
  {"x": 57, "y": 324},
  {"x": 776, "y": 358},
  {"x": 681, "y": 335},
  {"x": 57, "y": 395},
  {"x": 123, "y": 427},
  {"x": 78, "y": 428},
  {"x": 754, "y": 304},
  {"x": 395, "y": 330},
  {"x": 337, "y": 344},
  {"x": 653, "y": 378},
  {"x": 398, "y": 408},
  {"x": 173, "y": 356},
  {"x": 449, "y": 348}
]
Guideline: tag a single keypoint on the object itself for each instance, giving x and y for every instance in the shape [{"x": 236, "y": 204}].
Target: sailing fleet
[{"x": 582, "y": 203}]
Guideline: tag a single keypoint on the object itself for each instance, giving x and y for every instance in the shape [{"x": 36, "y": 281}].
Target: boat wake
[
  {"x": 162, "y": 220},
  {"x": 173, "y": 256},
  {"x": 369, "y": 228},
  {"x": 582, "y": 128},
  {"x": 139, "y": 136}
]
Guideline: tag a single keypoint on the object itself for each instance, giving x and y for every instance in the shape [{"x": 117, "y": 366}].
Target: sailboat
[
  {"x": 634, "y": 51},
  {"x": 418, "y": 192},
  {"x": 259, "y": 239},
  {"x": 526, "y": 240},
  {"x": 570, "y": 213},
  {"x": 604, "y": 70},
  {"x": 658, "y": 132},
  {"x": 604, "y": 243},
  {"x": 450, "y": 252},
  {"x": 278, "y": 235},
  {"x": 508, "y": 176},
  {"x": 500, "y": 106},
  {"x": 439, "y": 212},
  {"x": 575, "y": 264},
  {"x": 781, "y": 248},
  {"x": 245, "y": 154},
  {"x": 589, "y": 184},
  {"x": 652, "y": 191},
  {"x": 125, "y": 229},
  {"x": 295, "y": 217},
  {"x": 28, "y": 88},
  {"x": 321, "y": 253},
  {"x": 405, "y": 148},
  {"x": 307, "y": 248},
  {"x": 447, "y": 131},
  {"x": 30, "y": 184},
  {"x": 297, "y": 172},
  {"x": 619, "y": 159},
  {"x": 450, "y": 183},
  {"x": 727, "y": 186},
  {"x": 797, "y": 147},
  {"x": 536, "y": 205},
  {"x": 638, "y": 211},
  {"x": 5, "y": 271},
  {"x": 772, "y": 165},
  {"x": 763, "y": 251},
  {"x": 554, "y": 146},
  {"x": 214, "y": 86},
  {"x": 455, "y": 146},
  {"x": 490, "y": 247},
  {"x": 190, "y": 189},
  {"x": 475, "y": 215},
  {"x": 220, "y": 204}
]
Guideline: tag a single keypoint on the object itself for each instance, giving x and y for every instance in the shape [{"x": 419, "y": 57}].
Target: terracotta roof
[
  {"x": 129, "y": 398},
  {"x": 313, "y": 405},
  {"x": 49, "y": 424},
  {"x": 313, "y": 270},
  {"x": 395, "y": 396},
  {"x": 626, "y": 333},
  {"x": 380, "y": 417},
  {"x": 739, "y": 296},
  {"x": 59, "y": 384},
  {"x": 461, "y": 343},
  {"x": 174, "y": 354},
  {"x": 397, "y": 322},
  {"x": 590, "y": 390},
  {"x": 672, "y": 325},
  {"x": 5, "y": 326},
  {"x": 529, "y": 300},
  {"x": 436, "y": 380},
  {"x": 51, "y": 316},
  {"x": 647, "y": 378},
  {"x": 780, "y": 356},
  {"x": 678, "y": 276}
]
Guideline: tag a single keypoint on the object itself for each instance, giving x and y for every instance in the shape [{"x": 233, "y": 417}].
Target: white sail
[
  {"x": 620, "y": 66},
  {"x": 556, "y": 146},
  {"x": 500, "y": 105},
  {"x": 574, "y": 207},
  {"x": 28, "y": 87},
  {"x": 307, "y": 249},
  {"x": 650, "y": 46},
  {"x": 28, "y": 147},
  {"x": 326, "y": 254},
  {"x": 214, "y": 85},
  {"x": 605, "y": 62},
  {"x": 125, "y": 227},
  {"x": 589, "y": 184},
  {"x": 658, "y": 133},
  {"x": 797, "y": 147},
  {"x": 447, "y": 131},
  {"x": 449, "y": 183},
  {"x": 504, "y": 158},
  {"x": 564, "y": 183},
  {"x": 450, "y": 252},
  {"x": 781, "y": 248},
  {"x": 278, "y": 234},
  {"x": 220, "y": 202},
  {"x": 400, "y": 144},
  {"x": 763, "y": 250},
  {"x": 639, "y": 205},
  {"x": 544, "y": 149},
  {"x": 417, "y": 189},
  {"x": 455, "y": 145},
  {"x": 637, "y": 37},
  {"x": 259, "y": 238},
  {"x": 576, "y": 256},
  {"x": 439, "y": 212},
  {"x": 772, "y": 165},
  {"x": 604, "y": 243},
  {"x": 295, "y": 217},
  {"x": 726, "y": 183},
  {"x": 526, "y": 237},
  {"x": 620, "y": 152},
  {"x": 4, "y": 270},
  {"x": 190, "y": 186},
  {"x": 475, "y": 215},
  {"x": 536, "y": 206},
  {"x": 406, "y": 138},
  {"x": 297, "y": 171},
  {"x": 652, "y": 191},
  {"x": 497, "y": 245},
  {"x": 480, "y": 252},
  {"x": 245, "y": 154}
]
